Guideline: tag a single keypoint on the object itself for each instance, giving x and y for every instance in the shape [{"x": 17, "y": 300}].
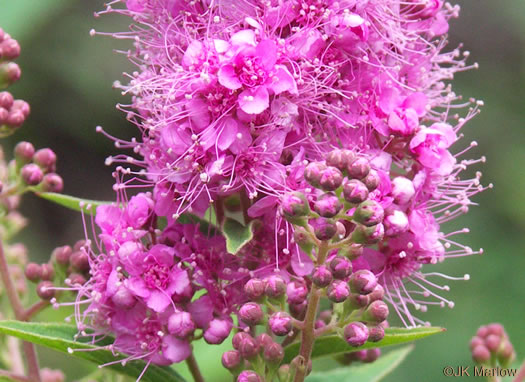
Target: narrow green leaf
[
  {"x": 236, "y": 234},
  {"x": 333, "y": 344},
  {"x": 370, "y": 372},
  {"x": 72, "y": 202},
  {"x": 60, "y": 337}
]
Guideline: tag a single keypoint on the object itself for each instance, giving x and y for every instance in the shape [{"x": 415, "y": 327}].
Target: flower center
[
  {"x": 156, "y": 276},
  {"x": 251, "y": 73}
]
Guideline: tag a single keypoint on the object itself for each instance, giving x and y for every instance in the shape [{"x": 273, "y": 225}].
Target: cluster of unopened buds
[
  {"x": 12, "y": 112},
  {"x": 491, "y": 346}
]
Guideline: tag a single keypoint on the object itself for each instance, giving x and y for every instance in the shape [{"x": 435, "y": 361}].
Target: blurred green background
[{"x": 67, "y": 78}]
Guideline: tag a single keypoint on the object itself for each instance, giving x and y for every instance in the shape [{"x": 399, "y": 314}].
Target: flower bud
[
  {"x": 368, "y": 235},
  {"x": 340, "y": 267},
  {"x": 123, "y": 298},
  {"x": 238, "y": 338},
  {"x": 254, "y": 288},
  {"x": 331, "y": 179},
  {"x": 32, "y": 174},
  {"x": 376, "y": 333},
  {"x": 80, "y": 261},
  {"x": 47, "y": 272},
  {"x": 296, "y": 292},
  {"x": 46, "y": 159},
  {"x": 283, "y": 372},
  {"x": 395, "y": 223},
  {"x": 275, "y": 286},
  {"x": 249, "y": 376},
  {"x": 33, "y": 272},
  {"x": 480, "y": 354},
  {"x": 52, "y": 183},
  {"x": 369, "y": 213},
  {"x": 370, "y": 355},
  {"x": 9, "y": 49},
  {"x": 231, "y": 359},
  {"x": 298, "y": 310},
  {"x": 402, "y": 190},
  {"x": 358, "y": 168},
  {"x": 44, "y": 290},
  {"x": 263, "y": 340},
  {"x": 339, "y": 158},
  {"x": 355, "y": 191},
  {"x": 273, "y": 354},
  {"x": 355, "y": 334},
  {"x": 476, "y": 341},
  {"x": 352, "y": 251},
  {"x": 294, "y": 206},
  {"x": 492, "y": 342},
  {"x": 506, "y": 354},
  {"x": 251, "y": 313},
  {"x": 15, "y": 118},
  {"x": 280, "y": 323},
  {"x": 312, "y": 173},
  {"x": 328, "y": 205},
  {"x": 358, "y": 301},
  {"x": 62, "y": 255},
  {"x": 303, "y": 239},
  {"x": 4, "y": 116},
  {"x": 9, "y": 74},
  {"x": 76, "y": 279},
  {"x": 6, "y": 100},
  {"x": 362, "y": 282},
  {"x": 372, "y": 180},
  {"x": 322, "y": 276},
  {"x": 377, "y": 294},
  {"x": 181, "y": 325},
  {"x": 248, "y": 347},
  {"x": 338, "y": 291},
  {"x": 49, "y": 375},
  {"x": 79, "y": 245},
  {"x": 376, "y": 312},
  {"x": 24, "y": 152},
  {"x": 324, "y": 229},
  {"x": 496, "y": 328},
  {"x": 22, "y": 106},
  {"x": 218, "y": 330}
]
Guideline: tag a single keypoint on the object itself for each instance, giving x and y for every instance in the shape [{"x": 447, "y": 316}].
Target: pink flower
[{"x": 431, "y": 147}]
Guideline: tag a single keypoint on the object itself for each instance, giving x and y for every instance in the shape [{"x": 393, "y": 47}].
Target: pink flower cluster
[{"x": 246, "y": 101}]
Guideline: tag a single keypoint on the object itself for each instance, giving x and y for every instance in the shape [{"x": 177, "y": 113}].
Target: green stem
[
  {"x": 194, "y": 368},
  {"x": 14, "y": 300},
  {"x": 308, "y": 334}
]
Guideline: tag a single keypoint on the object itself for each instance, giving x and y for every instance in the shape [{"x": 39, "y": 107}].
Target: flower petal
[
  {"x": 254, "y": 101},
  {"x": 283, "y": 81},
  {"x": 228, "y": 78}
]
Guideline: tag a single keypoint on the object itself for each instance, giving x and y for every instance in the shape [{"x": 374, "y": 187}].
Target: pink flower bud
[
  {"x": 298, "y": 310},
  {"x": 341, "y": 267},
  {"x": 370, "y": 355},
  {"x": 231, "y": 359},
  {"x": 80, "y": 261},
  {"x": 22, "y": 106},
  {"x": 32, "y": 174},
  {"x": 48, "y": 375},
  {"x": 44, "y": 290},
  {"x": 372, "y": 180},
  {"x": 251, "y": 313},
  {"x": 338, "y": 291},
  {"x": 363, "y": 282},
  {"x": 331, "y": 179},
  {"x": 376, "y": 333},
  {"x": 376, "y": 312},
  {"x": 322, "y": 276},
  {"x": 24, "y": 152},
  {"x": 296, "y": 292},
  {"x": 249, "y": 376},
  {"x": 339, "y": 158},
  {"x": 368, "y": 235},
  {"x": 358, "y": 301},
  {"x": 218, "y": 330},
  {"x": 264, "y": 340},
  {"x": 238, "y": 338},
  {"x": 324, "y": 229},
  {"x": 312, "y": 173},
  {"x": 377, "y": 294},
  {"x": 46, "y": 159},
  {"x": 492, "y": 342},
  {"x": 254, "y": 288},
  {"x": 328, "y": 205},
  {"x": 9, "y": 49},
  {"x": 52, "y": 183},
  {"x": 76, "y": 279},
  {"x": 356, "y": 334},
  {"x": 402, "y": 190},
  {"x": 369, "y": 213},
  {"x": 47, "y": 272},
  {"x": 15, "y": 118},
  {"x": 274, "y": 353},
  {"x": 280, "y": 323},
  {"x": 294, "y": 206},
  {"x": 395, "y": 223},
  {"x": 9, "y": 74},
  {"x": 248, "y": 347},
  {"x": 6, "y": 100},
  {"x": 480, "y": 354},
  {"x": 359, "y": 168},
  {"x": 274, "y": 286},
  {"x": 33, "y": 272}
]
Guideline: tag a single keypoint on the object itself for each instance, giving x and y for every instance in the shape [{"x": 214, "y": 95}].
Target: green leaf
[
  {"x": 369, "y": 372},
  {"x": 60, "y": 337},
  {"x": 236, "y": 234},
  {"x": 205, "y": 226},
  {"x": 72, "y": 202},
  {"x": 333, "y": 344}
]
